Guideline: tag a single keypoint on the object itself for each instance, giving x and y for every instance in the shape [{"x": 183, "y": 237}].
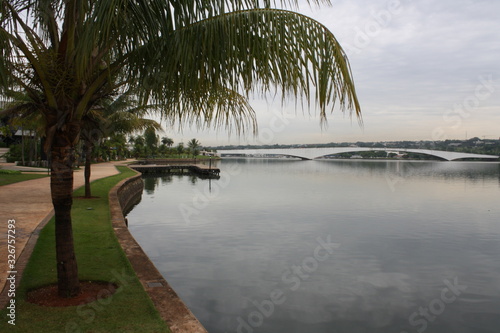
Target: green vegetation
[
  {"x": 474, "y": 146},
  {"x": 9, "y": 172},
  {"x": 149, "y": 146},
  {"x": 66, "y": 58},
  {"x": 384, "y": 155},
  {"x": 11, "y": 176},
  {"x": 18, "y": 152},
  {"x": 102, "y": 259},
  {"x": 194, "y": 147}
]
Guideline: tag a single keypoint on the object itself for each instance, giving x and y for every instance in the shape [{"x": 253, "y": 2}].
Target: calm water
[{"x": 330, "y": 246}]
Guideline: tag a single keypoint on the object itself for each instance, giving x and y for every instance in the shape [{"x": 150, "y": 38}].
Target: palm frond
[
  {"x": 252, "y": 51},
  {"x": 195, "y": 61}
]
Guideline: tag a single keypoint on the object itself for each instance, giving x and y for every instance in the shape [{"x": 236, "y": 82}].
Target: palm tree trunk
[
  {"x": 22, "y": 146},
  {"x": 31, "y": 150},
  {"x": 88, "y": 155},
  {"x": 61, "y": 185},
  {"x": 36, "y": 148}
]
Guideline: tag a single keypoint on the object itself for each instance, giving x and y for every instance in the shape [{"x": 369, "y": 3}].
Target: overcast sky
[{"x": 423, "y": 69}]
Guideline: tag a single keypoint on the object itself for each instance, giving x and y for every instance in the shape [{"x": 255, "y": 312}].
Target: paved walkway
[{"x": 29, "y": 204}]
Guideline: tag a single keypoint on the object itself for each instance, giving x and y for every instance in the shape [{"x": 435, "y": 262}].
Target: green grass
[
  {"x": 100, "y": 258},
  {"x": 11, "y": 176}
]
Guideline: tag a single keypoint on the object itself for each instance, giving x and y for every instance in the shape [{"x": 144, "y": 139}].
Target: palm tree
[
  {"x": 197, "y": 61},
  {"x": 180, "y": 148},
  {"x": 193, "y": 146},
  {"x": 120, "y": 116},
  {"x": 167, "y": 141},
  {"x": 29, "y": 125},
  {"x": 151, "y": 140},
  {"x": 21, "y": 113},
  {"x": 139, "y": 145}
]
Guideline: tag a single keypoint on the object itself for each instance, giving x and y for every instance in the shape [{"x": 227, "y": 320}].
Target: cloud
[{"x": 412, "y": 61}]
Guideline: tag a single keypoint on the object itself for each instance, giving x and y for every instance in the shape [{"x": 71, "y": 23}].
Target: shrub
[{"x": 4, "y": 171}]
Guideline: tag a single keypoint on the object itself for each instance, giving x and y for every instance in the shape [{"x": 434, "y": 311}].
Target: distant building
[{"x": 207, "y": 153}]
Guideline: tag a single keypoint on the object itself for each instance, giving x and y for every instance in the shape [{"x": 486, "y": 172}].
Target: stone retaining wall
[
  {"x": 171, "y": 308},
  {"x": 130, "y": 193}
]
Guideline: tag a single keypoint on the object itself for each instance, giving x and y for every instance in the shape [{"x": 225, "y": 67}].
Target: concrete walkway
[{"x": 29, "y": 204}]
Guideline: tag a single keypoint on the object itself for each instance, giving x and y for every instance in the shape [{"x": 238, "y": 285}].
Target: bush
[
  {"x": 14, "y": 154},
  {"x": 4, "y": 171}
]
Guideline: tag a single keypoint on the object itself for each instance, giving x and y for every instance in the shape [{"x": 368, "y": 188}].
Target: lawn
[
  {"x": 100, "y": 258},
  {"x": 10, "y": 176}
]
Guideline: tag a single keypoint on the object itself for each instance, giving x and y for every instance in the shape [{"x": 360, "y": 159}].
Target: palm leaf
[
  {"x": 253, "y": 51},
  {"x": 184, "y": 56}
]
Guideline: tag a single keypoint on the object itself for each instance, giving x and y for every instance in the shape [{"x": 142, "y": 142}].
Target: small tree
[
  {"x": 24, "y": 116},
  {"x": 118, "y": 116},
  {"x": 180, "y": 148},
  {"x": 193, "y": 146},
  {"x": 151, "y": 140},
  {"x": 139, "y": 146},
  {"x": 167, "y": 141}
]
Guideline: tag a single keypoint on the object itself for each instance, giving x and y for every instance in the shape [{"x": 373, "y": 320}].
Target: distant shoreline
[{"x": 356, "y": 159}]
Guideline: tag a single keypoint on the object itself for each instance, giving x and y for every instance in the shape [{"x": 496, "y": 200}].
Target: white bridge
[{"x": 312, "y": 153}]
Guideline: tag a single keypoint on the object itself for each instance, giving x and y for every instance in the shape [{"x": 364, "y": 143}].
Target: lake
[{"x": 330, "y": 245}]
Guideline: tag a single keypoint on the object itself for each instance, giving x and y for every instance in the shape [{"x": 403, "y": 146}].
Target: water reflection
[
  {"x": 404, "y": 231},
  {"x": 470, "y": 170},
  {"x": 153, "y": 181},
  {"x": 150, "y": 182}
]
